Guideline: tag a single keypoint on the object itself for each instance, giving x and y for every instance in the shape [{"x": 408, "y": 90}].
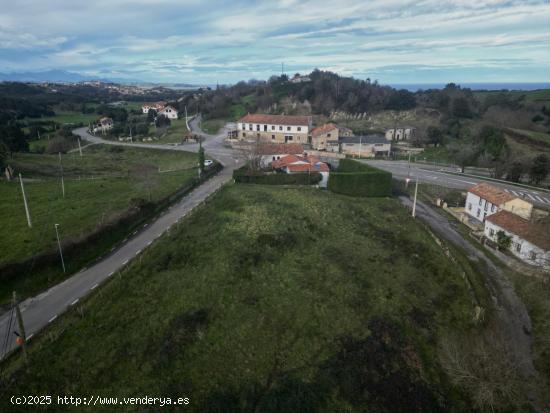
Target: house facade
[
  {"x": 274, "y": 128},
  {"x": 322, "y": 134},
  {"x": 157, "y": 106},
  {"x": 368, "y": 146},
  {"x": 400, "y": 134},
  {"x": 103, "y": 125},
  {"x": 169, "y": 112},
  {"x": 484, "y": 200},
  {"x": 529, "y": 242},
  {"x": 270, "y": 152},
  {"x": 301, "y": 164}
]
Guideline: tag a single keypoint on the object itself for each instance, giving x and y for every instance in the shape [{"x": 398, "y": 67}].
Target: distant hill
[{"x": 46, "y": 76}]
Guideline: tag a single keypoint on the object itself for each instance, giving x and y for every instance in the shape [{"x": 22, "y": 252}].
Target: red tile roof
[
  {"x": 280, "y": 148},
  {"x": 492, "y": 194},
  {"x": 286, "y": 160},
  {"x": 523, "y": 228},
  {"x": 276, "y": 119},
  {"x": 323, "y": 129},
  {"x": 307, "y": 167}
]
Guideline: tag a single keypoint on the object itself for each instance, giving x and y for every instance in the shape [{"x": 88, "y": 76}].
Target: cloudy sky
[{"x": 204, "y": 41}]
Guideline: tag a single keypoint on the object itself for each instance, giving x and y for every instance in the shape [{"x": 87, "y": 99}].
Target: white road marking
[
  {"x": 53, "y": 318},
  {"x": 539, "y": 198},
  {"x": 530, "y": 196},
  {"x": 149, "y": 243},
  {"x": 515, "y": 193},
  {"x": 74, "y": 302},
  {"x": 145, "y": 226},
  {"x": 137, "y": 252},
  {"x": 29, "y": 337},
  {"x": 547, "y": 200},
  {"x": 94, "y": 286},
  {"x": 125, "y": 262},
  {"x": 111, "y": 273}
]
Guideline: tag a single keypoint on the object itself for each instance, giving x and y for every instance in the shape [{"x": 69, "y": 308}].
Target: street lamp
[
  {"x": 415, "y": 194},
  {"x": 59, "y": 245}
]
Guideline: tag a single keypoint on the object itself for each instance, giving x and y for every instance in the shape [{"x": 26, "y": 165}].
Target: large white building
[
  {"x": 169, "y": 112},
  {"x": 483, "y": 200},
  {"x": 529, "y": 241},
  {"x": 274, "y": 128}
]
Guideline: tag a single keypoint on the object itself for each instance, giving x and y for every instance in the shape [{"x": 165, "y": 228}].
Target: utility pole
[
  {"x": 79, "y": 147},
  {"x": 27, "y": 212},
  {"x": 414, "y": 202},
  {"x": 22, "y": 338},
  {"x": 62, "y": 180},
  {"x": 409, "y": 171},
  {"x": 360, "y": 143},
  {"x": 59, "y": 245}
]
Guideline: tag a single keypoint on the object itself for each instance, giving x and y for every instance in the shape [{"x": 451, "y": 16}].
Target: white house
[
  {"x": 484, "y": 200},
  {"x": 158, "y": 106},
  {"x": 104, "y": 125},
  {"x": 530, "y": 242},
  {"x": 169, "y": 112},
  {"x": 270, "y": 152},
  {"x": 292, "y": 164}
]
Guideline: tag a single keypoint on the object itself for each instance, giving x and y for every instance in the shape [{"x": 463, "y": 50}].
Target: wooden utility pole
[
  {"x": 29, "y": 222},
  {"x": 62, "y": 180},
  {"x": 21, "y": 327},
  {"x": 79, "y": 147},
  {"x": 414, "y": 202}
]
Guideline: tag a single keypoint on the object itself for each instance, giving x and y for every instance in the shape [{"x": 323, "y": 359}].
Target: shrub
[
  {"x": 357, "y": 179},
  {"x": 243, "y": 176}
]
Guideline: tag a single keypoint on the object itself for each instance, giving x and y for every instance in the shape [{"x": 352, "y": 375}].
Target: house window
[
  {"x": 518, "y": 246},
  {"x": 478, "y": 212},
  {"x": 328, "y": 135},
  {"x": 480, "y": 201},
  {"x": 469, "y": 206},
  {"x": 244, "y": 135},
  {"x": 272, "y": 127},
  {"x": 258, "y": 128},
  {"x": 486, "y": 206},
  {"x": 272, "y": 136},
  {"x": 288, "y": 138},
  {"x": 491, "y": 232},
  {"x": 273, "y": 158},
  {"x": 299, "y": 128},
  {"x": 532, "y": 255},
  {"x": 493, "y": 208},
  {"x": 288, "y": 128},
  {"x": 250, "y": 126},
  {"x": 280, "y": 128}
]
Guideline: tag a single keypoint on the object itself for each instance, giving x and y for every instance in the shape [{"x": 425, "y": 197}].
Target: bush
[
  {"x": 357, "y": 179},
  {"x": 242, "y": 176}
]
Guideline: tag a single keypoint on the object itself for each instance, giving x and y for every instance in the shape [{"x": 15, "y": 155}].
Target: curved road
[
  {"x": 427, "y": 174},
  {"x": 39, "y": 311}
]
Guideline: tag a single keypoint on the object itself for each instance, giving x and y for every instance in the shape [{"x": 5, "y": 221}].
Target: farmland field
[
  {"x": 269, "y": 299},
  {"x": 100, "y": 187}
]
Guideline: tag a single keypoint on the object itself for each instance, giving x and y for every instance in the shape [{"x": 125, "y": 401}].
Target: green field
[
  {"x": 538, "y": 136},
  {"x": 268, "y": 299},
  {"x": 212, "y": 126},
  {"x": 65, "y": 117},
  {"x": 102, "y": 186}
]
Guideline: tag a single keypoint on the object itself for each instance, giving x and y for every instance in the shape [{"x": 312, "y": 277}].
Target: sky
[{"x": 204, "y": 42}]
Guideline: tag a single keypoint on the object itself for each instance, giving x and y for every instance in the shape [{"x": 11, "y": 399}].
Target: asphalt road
[
  {"x": 429, "y": 175},
  {"x": 39, "y": 311}
]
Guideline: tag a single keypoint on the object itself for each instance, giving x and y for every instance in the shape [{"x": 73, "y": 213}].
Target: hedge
[
  {"x": 357, "y": 179},
  {"x": 242, "y": 176}
]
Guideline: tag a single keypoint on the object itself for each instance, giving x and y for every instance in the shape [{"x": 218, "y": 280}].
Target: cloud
[{"x": 216, "y": 40}]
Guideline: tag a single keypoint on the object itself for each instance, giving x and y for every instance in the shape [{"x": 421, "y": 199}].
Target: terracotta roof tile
[
  {"x": 323, "y": 129},
  {"x": 492, "y": 194},
  {"x": 523, "y": 228},
  {"x": 280, "y": 148},
  {"x": 276, "y": 119}
]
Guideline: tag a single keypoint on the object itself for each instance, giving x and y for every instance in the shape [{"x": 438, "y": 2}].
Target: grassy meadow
[
  {"x": 100, "y": 187},
  {"x": 268, "y": 299}
]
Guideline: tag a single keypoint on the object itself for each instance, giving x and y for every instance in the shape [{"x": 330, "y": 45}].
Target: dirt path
[{"x": 511, "y": 314}]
